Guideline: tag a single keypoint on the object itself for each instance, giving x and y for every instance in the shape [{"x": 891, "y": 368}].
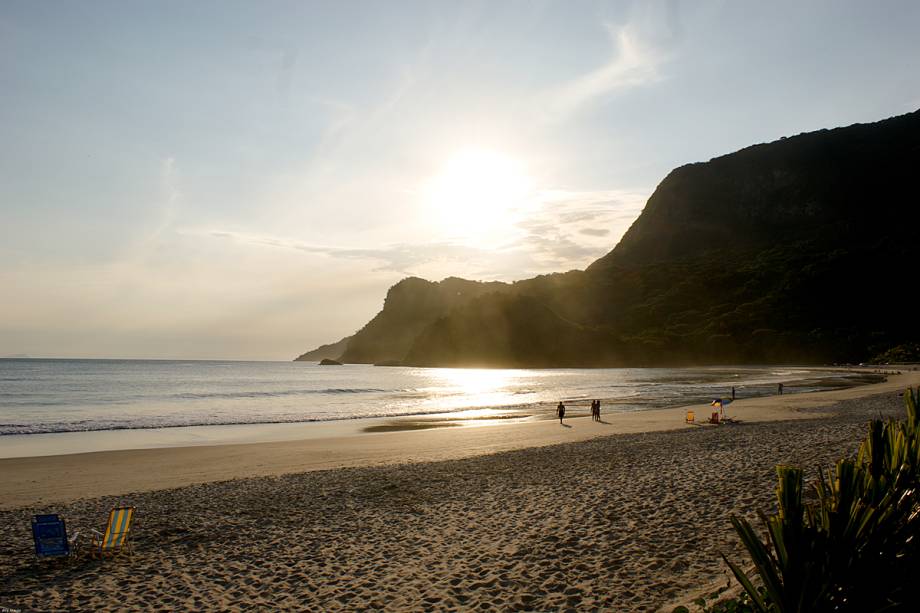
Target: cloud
[
  {"x": 568, "y": 230},
  {"x": 400, "y": 258},
  {"x": 634, "y": 63},
  {"x": 594, "y": 231},
  {"x": 571, "y": 229},
  {"x": 169, "y": 181}
]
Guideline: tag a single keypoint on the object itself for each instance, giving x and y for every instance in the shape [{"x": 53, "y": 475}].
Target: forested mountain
[
  {"x": 800, "y": 250},
  {"x": 410, "y": 307}
]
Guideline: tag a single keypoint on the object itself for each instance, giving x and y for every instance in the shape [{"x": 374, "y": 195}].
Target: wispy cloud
[
  {"x": 400, "y": 258},
  {"x": 169, "y": 182},
  {"x": 570, "y": 230},
  {"x": 635, "y": 62}
]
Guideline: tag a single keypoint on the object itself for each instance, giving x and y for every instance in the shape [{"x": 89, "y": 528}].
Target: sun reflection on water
[
  {"x": 476, "y": 380},
  {"x": 477, "y": 388}
]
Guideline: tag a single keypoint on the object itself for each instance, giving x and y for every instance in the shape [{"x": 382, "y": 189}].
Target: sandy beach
[{"x": 623, "y": 515}]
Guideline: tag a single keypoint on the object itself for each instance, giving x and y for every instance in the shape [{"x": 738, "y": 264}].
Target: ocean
[{"x": 42, "y": 396}]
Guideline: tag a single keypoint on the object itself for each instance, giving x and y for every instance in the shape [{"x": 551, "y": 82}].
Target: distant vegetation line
[{"x": 792, "y": 251}]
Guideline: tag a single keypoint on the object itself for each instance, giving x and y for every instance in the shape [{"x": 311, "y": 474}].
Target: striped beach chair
[{"x": 117, "y": 532}]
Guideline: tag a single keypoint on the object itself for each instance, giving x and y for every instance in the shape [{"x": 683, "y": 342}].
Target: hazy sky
[{"x": 246, "y": 179}]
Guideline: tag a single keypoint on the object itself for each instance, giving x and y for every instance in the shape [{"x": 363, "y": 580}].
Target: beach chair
[
  {"x": 50, "y": 535},
  {"x": 691, "y": 417},
  {"x": 116, "y": 539}
]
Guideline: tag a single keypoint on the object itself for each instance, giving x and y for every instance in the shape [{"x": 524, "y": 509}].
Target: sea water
[{"x": 41, "y": 396}]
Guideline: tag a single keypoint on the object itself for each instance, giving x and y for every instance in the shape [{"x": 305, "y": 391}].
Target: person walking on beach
[
  {"x": 779, "y": 388},
  {"x": 596, "y": 410},
  {"x": 560, "y": 411}
]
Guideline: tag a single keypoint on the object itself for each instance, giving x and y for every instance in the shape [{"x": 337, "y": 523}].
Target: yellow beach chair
[{"x": 115, "y": 540}]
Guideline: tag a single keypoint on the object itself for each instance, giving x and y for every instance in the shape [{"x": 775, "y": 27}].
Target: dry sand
[{"x": 620, "y": 522}]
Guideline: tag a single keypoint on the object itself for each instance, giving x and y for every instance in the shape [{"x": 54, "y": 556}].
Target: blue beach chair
[{"x": 50, "y": 535}]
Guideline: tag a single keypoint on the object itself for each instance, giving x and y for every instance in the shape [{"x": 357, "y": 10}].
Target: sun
[{"x": 478, "y": 194}]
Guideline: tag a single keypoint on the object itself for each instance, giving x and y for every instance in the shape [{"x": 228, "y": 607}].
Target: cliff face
[
  {"x": 830, "y": 186},
  {"x": 792, "y": 251}
]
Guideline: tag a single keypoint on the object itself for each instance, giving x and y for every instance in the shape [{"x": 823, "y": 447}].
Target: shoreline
[
  {"x": 173, "y": 436},
  {"x": 65, "y": 478}
]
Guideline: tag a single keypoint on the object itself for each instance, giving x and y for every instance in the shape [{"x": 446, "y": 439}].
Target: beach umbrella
[{"x": 719, "y": 402}]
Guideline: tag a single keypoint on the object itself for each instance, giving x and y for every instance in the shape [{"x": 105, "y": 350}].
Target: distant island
[
  {"x": 329, "y": 362},
  {"x": 802, "y": 250}
]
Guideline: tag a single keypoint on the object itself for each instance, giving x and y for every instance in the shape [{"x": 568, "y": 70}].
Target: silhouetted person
[
  {"x": 596, "y": 410},
  {"x": 779, "y": 388},
  {"x": 560, "y": 411},
  {"x": 733, "y": 392}
]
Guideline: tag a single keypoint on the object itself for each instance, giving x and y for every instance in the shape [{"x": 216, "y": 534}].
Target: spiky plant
[{"x": 856, "y": 547}]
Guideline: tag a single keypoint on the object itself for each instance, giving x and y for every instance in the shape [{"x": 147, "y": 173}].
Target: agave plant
[{"x": 856, "y": 547}]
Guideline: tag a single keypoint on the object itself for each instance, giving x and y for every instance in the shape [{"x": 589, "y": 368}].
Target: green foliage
[
  {"x": 854, "y": 548},
  {"x": 410, "y": 306},
  {"x": 905, "y": 353}
]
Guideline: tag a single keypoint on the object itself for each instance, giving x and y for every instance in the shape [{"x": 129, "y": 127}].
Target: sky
[{"x": 245, "y": 180}]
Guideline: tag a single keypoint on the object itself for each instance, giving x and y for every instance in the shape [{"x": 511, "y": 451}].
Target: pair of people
[{"x": 595, "y": 410}]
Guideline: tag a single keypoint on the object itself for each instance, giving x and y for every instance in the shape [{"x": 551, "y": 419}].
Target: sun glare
[{"x": 478, "y": 194}]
